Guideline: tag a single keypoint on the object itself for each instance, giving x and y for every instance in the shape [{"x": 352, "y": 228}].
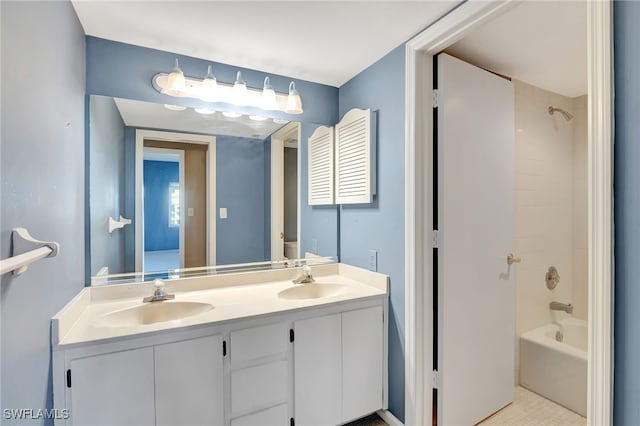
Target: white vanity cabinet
[
  {"x": 176, "y": 383},
  {"x": 311, "y": 367},
  {"x": 260, "y": 375},
  {"x": 112, "y": 389},
  {"x": 189, "y": 382},
  {"x": 339, "y": 367}
]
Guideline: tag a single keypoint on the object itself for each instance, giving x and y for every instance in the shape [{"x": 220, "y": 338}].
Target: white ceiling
[
  {"x": 543, "y": 43},
  {"x": 322, "y": 41},
  {"x": 156, "y": 116}
]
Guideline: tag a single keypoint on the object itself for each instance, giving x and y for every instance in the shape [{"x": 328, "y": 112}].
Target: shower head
[{"x": 567, "y": 116}]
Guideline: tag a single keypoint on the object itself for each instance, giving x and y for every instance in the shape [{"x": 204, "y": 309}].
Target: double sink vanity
[{"x": 237, "y": 349}]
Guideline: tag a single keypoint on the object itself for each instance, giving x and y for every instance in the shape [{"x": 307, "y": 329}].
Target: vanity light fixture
[
  {"x": 231, "y": 114},
  {"x": 209, "y": 88},
  {"x": 294, "y": 102},
  {"x": 205, "y": 111},
  {"x": 176, "y": 82},
  {"x": 257, "y": 118},
  {"x": 268, "y": 96},
  {"x": 239, "y": 90},
  {"x": 175, "y": 107}
]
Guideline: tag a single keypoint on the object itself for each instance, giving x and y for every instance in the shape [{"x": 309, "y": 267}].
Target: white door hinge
[
  {"x": 435, "y": 98},
  {"x": 435, "y": 379},
  {"x": 435, "y": 238}
]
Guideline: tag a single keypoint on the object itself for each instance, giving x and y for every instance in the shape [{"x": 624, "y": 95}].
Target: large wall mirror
[{"x": 173, "y": 187}]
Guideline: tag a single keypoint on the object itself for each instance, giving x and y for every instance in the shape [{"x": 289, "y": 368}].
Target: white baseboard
[{"x": 389, "y": 418}]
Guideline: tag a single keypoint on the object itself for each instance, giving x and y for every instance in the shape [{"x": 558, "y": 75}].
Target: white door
[
  {"x": 189, "y": 382},
  {"x": 113, "y": 389},
  {"x": 476, "y": 286}
]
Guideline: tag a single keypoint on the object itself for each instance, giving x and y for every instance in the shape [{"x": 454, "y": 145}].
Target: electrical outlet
[
  {"x": 314, "y": 246},
  {"x": 373, "y": 260}
]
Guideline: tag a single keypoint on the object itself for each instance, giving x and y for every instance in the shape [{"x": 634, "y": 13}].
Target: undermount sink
[
  {"x": 313, "y": 291},
  {"x": 151, "y": 313}
]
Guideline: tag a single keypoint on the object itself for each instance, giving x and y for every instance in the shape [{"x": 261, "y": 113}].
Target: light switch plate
[
  {"x": 190, "y": 212},
  {"x": 373, "y": 260},
  {"x": 223, "y": 212}
]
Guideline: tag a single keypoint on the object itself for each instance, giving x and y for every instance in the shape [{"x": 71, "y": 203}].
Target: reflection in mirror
[{"x": 201, "y": 189}]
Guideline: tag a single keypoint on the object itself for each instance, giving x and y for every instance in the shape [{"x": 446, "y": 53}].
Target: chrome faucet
[
  {"x": 557, "y": 306},
  {"x": 306, "y": 276},
  {"x": 159, "y": 294}
]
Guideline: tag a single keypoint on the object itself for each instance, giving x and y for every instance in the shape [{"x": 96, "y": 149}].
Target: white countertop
[{"x": 233, "y": 296}]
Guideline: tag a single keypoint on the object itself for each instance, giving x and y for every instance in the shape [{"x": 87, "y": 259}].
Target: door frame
[
  {"x": 180, "y": 154},
  {"x": 418, "y": 197},
  {"x": 159, "y": 135},
  {"x": 278, "y": 144}
]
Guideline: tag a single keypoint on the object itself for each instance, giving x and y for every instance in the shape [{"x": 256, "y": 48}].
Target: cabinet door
[
  {"x": 317, "y": 371},
  {"x": 355, "y": 157},
  {"x": 189, "y": 382},
  {"x": 113, "y": 389},
  {"x": 320, "y": 166},
  {"x": 362, "y": 369}
]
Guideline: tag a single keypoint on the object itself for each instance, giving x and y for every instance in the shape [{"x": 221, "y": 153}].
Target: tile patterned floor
[{"x": 530, "y": 409}]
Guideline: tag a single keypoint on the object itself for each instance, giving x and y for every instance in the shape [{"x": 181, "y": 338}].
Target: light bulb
[
  {"x": 268, "y": 96},
  {"x": 294, "y": 102},
  {"x": 209, "y": 87},
  {"x": 176, "y": 83},
  {"x": 205, "y": 111},
  {"x": 257, "y": 118},
  {"x": 239, "y": 91},
  {"x": 231, "y": 114},
  {"x": 175, "y": 107}
]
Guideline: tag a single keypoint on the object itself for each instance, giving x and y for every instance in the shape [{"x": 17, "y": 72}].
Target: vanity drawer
[
  {"x": 274, "y": 416},
  {"x": 259, "y": 387},
  {"x": 258, "y": 342}
]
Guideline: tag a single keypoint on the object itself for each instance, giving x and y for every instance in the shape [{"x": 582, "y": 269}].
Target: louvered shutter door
[
  {"x": 355, "y": 158},
  {"x": 320, "y": 179}
]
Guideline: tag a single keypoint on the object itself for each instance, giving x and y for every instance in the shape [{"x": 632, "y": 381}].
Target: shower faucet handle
[{"x": 511, "y": 259}]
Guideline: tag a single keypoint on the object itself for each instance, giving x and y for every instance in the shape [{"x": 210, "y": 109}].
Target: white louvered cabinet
[
  {"x": 355, "y": 158},
  {"x": 320, "y": 179}
]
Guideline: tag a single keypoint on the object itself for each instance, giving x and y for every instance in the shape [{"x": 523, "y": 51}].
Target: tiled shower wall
[
  {"x": 550, "y": 204},
  {"x": 580, "y": 193}
]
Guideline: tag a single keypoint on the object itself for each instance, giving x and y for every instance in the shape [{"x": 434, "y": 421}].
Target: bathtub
[{"x": 553, "y": 369}]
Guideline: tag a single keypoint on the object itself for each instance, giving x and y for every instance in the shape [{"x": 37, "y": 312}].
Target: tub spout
[{"x": 557, "y": 306}]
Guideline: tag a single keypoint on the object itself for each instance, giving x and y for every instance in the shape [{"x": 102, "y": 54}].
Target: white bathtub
[{"x": 557, "y": 370}]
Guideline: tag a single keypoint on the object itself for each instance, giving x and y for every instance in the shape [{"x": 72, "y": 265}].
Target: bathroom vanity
[{"x": 237, "y": 349}]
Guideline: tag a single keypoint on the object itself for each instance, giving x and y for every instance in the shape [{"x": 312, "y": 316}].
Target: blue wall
[
  {"x": 627, "y": 213},
  {"x": 106, "y": 185},
  {"x": 239, "y": 187},
  {"x": 42, "y": 186},
  {"x": 380, "y": 226},
  {"x": 158, "y": 235},
  {"x": 108, "y": 59}
]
